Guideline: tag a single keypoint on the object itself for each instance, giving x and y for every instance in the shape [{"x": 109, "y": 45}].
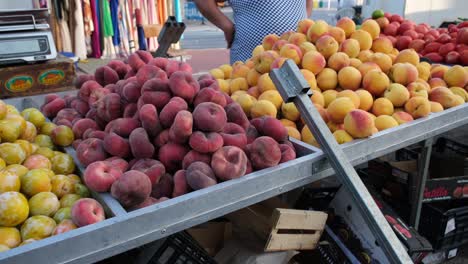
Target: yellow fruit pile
[
  {"x": 361, "y": 84},
  {"x": 37, "y": 184}
]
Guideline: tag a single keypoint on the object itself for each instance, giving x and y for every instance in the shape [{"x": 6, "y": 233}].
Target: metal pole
[
  {"x": 293, "y": 88},
  {"x": 423, "y": 167}
]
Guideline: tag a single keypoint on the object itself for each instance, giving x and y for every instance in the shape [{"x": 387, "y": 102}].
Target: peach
[
  {"x": 348, "y": 26},
  {"x": 148, "y": 72},
  {"x": 418, "y": 107},
  {"x": 383, "y": 122},
  {"x": 209, "y": 117},
  {"x": 82, "y": 125},
  {"x": 304, "y": 25},
  {"x": 263, "y": 61},
  {"x": 131, "y": 188},
  {"x": 109, "y": 107},
  {"x": 180, "y": 183},
  {"x": 161, "y": 139},
  {"x": 372, "y": 27},
  {"x": 229, "y": 162},
  {"x": 408, "y": 56},
  {"x": 91, "y": 150},
  {"x": 264, "y": 152},
  {"x": 397, "y": 94},
  {"x": 206, "y": 142},
  {"x": 316, "y": 98},
  {"x": 382, "y": 106},
  {"x": 199, "y": 175},
  {"x": 456, "y": 76},
  {"x": 418, "y": 89},
  {"x": 364, "y": 39},
  {"x": 164, "y": 188},
  {"x": 209, "y": 83},
  {"x": 375, "y": 82},
  {"x": 119, "y": 67},
  {"x": 351, "y": 95},
  {"x": 140, "y": 144},
  {"x": 438, "y": 71},
  {"x": 287, "y": 153},
  {"x": 156, "y": 85},
  {"x": 210, "y": 95},
  {"x": 327, "y": 46},
  {"x": 87, "y": 211},
  {"x": 82, "y": 78},
  {"x": 116, "y": 162},
  {"x": 403, "y": 73},
  {"x": 349, "y": 78},
  {"x": 436, "y": 107},
  {"x": 149, "y": 120},
  {"x": 358, "y": 123},
  {"x": 306, "y": 47},
  {"x": 115, "y": 145},
  {"x": 269, "y": 40},
  {"x": 338, "y": 34},
  {"x": 105, "y": 75},
  {"x": 437, "y": 82},
  {"x": 291, "y": 51},
  {"x": 308, "y": 138},
  {"x": 317, "y": 30},
  {"x": 327, "y": 79},
  {"x": 181, "y": 129},
  {"x": 402, "y": 117},
  {"x": 297, "y": 38},
  {"x": 193, "y": 156},
  {"x": 169, "y": 112},
  {"x": 328, "y": 97},
  {"x": 122, "y": 126},
  {"x": 350, "y": 47},
  {"x": 365, "y": 99},
  {"x": 339, "y": 108},
  {"x": 171, "y": 156},
  {"x": 239, "y": 70},
  {"x": 338, "y": 61},
  {"x": 64, "y": 226},
  {"x": 234, "y": 135},
  {"x": 139, "y": 59},
  {"x": 154, "y": 169},
  {"x": 444, "y": 96},
  {"x": 368, "y": 66},
  {"x": 314, "y": 61},
  {"x": 383, "y": 22},
  {"x": 271, "y": 127},
  {"x": 183, "y": 85},
  {"x": 382, "y": 60},
  {"x": 100, "y": 175},
  {"x": 51, "y": 109},
  {"x": 235, "y": 114}
]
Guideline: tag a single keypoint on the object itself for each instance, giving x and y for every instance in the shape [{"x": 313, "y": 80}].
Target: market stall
[{"x": 159, "y": 148}]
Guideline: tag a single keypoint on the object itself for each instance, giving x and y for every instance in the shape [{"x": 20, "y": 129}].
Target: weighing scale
[{"x": 25, "y": 36}]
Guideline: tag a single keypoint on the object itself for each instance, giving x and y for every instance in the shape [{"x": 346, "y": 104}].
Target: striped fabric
[{"x": 255, "y": 19}]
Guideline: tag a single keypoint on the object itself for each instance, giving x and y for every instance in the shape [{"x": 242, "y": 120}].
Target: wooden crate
[{"x": 281, "y": 229}]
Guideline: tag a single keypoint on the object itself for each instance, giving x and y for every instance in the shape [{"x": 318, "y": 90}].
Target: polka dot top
[{"x": 255, "y": 19}]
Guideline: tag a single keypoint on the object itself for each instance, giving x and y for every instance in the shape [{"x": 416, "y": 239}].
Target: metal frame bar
[
  {"x": 424, "y": 160},
  {"x": 293, "y": 87},
  {"x": 127, "y": 231}
]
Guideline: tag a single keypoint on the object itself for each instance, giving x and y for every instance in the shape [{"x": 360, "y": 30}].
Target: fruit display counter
[{"x": 132, "y": 229}]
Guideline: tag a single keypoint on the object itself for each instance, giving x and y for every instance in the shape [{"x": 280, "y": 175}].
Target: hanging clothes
[
  {"x": 64, "y": 28},
  {"x": 96, "y": 38},
  {"x": 88, "y": 25},
  {"x": 107, "y": 30},
  {"x": 79, "y": 40}
]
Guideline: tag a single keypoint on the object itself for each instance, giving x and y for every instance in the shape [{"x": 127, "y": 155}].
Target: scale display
[{"x": 19, "y": 46}]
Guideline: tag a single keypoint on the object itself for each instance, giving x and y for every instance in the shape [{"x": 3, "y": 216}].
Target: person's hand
[{"x": 229, "y": 32}]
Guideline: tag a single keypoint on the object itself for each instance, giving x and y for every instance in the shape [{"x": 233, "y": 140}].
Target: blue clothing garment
[
  {"x": 114, "y": 8},
  {"x": 254, "y": 19}
]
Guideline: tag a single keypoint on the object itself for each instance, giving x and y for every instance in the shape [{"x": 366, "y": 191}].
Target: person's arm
[
  {"x": 210, "y": 10},
  {"x": 309, "y": 4}
]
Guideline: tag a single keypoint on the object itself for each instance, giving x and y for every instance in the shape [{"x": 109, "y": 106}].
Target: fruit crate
[
  {"x": 159, "y": 220},
  {"x": 445, "y": 224}
]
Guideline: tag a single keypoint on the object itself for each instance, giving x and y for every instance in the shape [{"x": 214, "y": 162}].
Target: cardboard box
[
  {"x": 212, "y": 235},
  {"x": 24, "y": 80}
]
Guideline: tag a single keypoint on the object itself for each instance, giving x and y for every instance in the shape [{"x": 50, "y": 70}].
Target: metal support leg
[
  {"x": 420, "y": 182},
  {"x": 293, "y": 88}
]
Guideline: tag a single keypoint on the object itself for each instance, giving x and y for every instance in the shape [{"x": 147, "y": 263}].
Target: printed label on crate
[
  {"x": 452, "y": 253},
  {"x": 446, "y": 189},
  {"x": 450, "y": 226},
  {"x": 51, "y": 77},
  {"x": 19, "y": 83}
]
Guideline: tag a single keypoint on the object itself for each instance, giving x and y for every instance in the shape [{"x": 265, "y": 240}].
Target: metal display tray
[{"x": 125, "y": 231}]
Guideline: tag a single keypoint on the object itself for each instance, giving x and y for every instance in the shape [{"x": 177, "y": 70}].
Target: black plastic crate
[
  {"x": 449, "y": 145},
  {"x": 445, "y": 224},
  {"x": 181, "y": 248}
]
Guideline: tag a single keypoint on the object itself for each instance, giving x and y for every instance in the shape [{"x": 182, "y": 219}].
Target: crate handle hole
[{"x": 296, "y": 231}]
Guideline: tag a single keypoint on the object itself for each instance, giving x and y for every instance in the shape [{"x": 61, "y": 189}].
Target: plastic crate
[
  {"x": 444, "y": 224},
  {"x": 181, "y": 248},
  {"x": 446, "y": 144}
]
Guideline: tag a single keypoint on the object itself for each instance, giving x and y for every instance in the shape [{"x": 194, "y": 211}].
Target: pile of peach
[
  {"x": 148, "y": 131},
  {"x": 39, "y": 194},
  {"x": 361, "y": 84}
]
